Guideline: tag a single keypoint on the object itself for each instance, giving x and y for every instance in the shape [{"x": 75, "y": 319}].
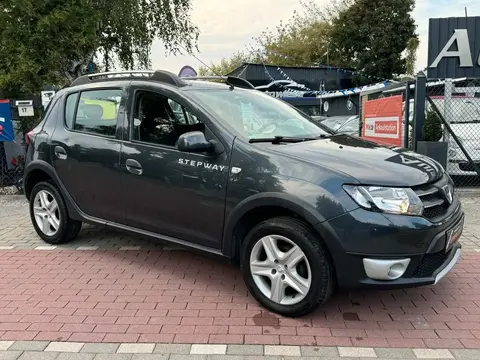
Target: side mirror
[{"x": 194, "y": 142}]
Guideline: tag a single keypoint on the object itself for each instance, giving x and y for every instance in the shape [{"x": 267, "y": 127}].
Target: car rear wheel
[
  {"x": 49, "y": 215},
  {"x": 286, "y": 267}
]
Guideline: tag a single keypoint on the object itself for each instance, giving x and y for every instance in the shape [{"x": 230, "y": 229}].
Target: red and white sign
[{"x": 382, "y": 120}]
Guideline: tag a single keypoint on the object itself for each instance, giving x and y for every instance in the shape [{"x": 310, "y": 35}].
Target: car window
[
  {"x": 160, "y": 120},
  {"x": 70, "y": 109},
  {"x": 257, "y": 115},
  {"x": 96, "y": 112}
]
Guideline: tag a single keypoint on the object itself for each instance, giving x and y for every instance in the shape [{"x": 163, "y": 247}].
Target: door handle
[
  {"x": 60, "y": 152},
  {"x": 134, "y": 166}
]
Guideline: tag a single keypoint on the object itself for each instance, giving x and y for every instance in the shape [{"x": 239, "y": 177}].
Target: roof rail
[
  {"x": 159, "y": 75},
  {"x": 229, "y": 80}
]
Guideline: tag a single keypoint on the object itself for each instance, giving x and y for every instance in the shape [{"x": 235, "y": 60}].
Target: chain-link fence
[
  {"x": 12, "y": 153},
  {"x": 453, "y": 118}
]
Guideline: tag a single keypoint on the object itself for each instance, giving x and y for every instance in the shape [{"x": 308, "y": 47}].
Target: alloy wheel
[
  {"x": 46, "y": 213},
  {"x": 280, "y": 270}
]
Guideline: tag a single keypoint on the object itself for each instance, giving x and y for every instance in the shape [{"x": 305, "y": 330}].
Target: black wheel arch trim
[
  {"x": 288, "y": 202},
  {"x": 73, "y": 211}
]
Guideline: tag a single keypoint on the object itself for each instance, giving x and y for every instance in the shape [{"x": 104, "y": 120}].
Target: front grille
[
  {"x": 433, "y": 198},
  {"x": 430, "y": 263}
]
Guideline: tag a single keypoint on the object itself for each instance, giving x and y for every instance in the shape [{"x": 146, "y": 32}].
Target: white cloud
[{"x": 228, "y": 26}]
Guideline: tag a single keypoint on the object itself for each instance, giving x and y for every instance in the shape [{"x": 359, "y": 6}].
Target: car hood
[{"x": 368, "y": 162}]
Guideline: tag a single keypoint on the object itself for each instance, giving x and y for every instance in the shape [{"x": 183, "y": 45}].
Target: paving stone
[
  {"x": 207, "y": 349},
  {"x": 98, "y": 348},
  {"x": 395, "y": 353},
  {"x": 257, "y": 357},
  {"x": 29, "y": 345},
  {"x": 319, "y": 351},
  {"x": 113, "y": 357},
  {"x": 277, "y": 350},
  {"x": 4, "y": 345},
  {"x": 187, "y": 357},
  {"x": 172, "y": 348},
  {"x": 10, "y": 355},
  {"x": 466, "y": 354},
  {"x": 150, "y": 357},
  {"x": 64, "y": 347},
  {"x": 360, "y": 352},
  {"x": 136, "y": 348},
  {"x": 433, "y": 354},
  {"x": 245, "y": 350},
  {"x": 225, "y": 357},
  {"x": 75, "y": 356},
  {"x": 35, "y": 355}
]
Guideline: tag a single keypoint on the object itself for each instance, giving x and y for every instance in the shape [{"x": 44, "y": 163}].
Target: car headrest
[{"x": 93, "y": 111}]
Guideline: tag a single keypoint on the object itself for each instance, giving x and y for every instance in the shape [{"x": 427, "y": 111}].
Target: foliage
[
  {"x": 432, "y": 128},
  {"x": 411, "y": 55},
  {"x": 378, "y": 41},
  {"x": 372, "y": 39},
  {"x": 39, "y": 40},
  {"x": 126, "y": 28},
  {"x": 304, "y": 39},
  {"x": 226, "y": 65},
  {"x": 52, "y": 41}
]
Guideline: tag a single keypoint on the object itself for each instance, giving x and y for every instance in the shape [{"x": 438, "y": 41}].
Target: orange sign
[{"x": 382, "y": 120}]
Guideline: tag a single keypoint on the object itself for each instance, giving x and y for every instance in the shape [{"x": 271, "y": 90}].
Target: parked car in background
[
  {"x": 465, "y": 124},
  {"x": 343, "y": 124}
]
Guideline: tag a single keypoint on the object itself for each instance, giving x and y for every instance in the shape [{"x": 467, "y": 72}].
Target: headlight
[{"x": 402, "y": 201}]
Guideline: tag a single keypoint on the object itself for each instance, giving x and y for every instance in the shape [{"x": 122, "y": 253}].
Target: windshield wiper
[{"x": 287, "y": 139}]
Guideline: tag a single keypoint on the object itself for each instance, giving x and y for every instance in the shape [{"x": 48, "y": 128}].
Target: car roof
[{"x": 160, "y": 77}]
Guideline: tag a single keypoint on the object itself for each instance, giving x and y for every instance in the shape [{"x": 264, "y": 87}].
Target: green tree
[
  {"x": 411, "y": 55},
  {"x": 226, "y": 65},
  {"x": 432, "y": 128},
  {"x": 52, "y": 41},
  {"x": 371, "y": 37}
]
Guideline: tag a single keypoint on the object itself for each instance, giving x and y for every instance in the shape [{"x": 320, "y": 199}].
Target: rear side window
[
  {"x": 70, "y": 109},
  {"x": 93, "y": 111}
]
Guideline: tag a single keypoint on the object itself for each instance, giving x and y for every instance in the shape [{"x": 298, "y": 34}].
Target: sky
[{"x": 223, "y": 35}]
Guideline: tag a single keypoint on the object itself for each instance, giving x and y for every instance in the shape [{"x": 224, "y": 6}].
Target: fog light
[{"x": 379, "y": 269}]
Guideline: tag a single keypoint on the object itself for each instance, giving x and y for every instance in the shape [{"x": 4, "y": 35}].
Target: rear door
[{"x": 86, "y": 151}]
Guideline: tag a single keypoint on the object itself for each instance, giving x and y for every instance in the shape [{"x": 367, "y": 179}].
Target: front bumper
[{"x": 362, "y": 240}]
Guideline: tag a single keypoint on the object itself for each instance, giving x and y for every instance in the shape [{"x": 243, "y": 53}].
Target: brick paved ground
[{"x": 157, "y": 296}]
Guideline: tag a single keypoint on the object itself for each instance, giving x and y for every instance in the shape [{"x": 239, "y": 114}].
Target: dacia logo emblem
[{"x": 448, "y": 192}]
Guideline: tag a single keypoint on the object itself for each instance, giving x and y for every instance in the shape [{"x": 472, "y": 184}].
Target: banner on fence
[
  {"x": 382, "y": 120},
  {"x": 6, "y": 126}
]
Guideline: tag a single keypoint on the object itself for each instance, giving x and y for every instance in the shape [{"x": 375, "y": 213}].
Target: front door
[
  {"x": 169, "y": 192},
  {"x": 86, "y": 152}
]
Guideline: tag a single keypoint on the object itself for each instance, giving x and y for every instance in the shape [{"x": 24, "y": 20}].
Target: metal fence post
[
  {"x": 419, "y": 112},
  {"x": 406, "y": 129}
]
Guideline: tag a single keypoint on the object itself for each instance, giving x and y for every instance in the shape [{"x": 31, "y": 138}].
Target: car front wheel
[
  {"x": 49, "y": 215},
  {"x": 286, "y": 267}
]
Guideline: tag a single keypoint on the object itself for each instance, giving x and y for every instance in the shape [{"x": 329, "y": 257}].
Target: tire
[
  {"x": 67, "y": 229},
  {"x": 316, "y": 257}
]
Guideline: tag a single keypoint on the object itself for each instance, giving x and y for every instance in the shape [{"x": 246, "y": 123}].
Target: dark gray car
[{"x": 222, "y": 168}]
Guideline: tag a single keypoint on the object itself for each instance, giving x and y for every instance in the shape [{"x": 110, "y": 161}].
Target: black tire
[
  {"x": 68, "y": 229},
  {"x": 322, "y": 283}
]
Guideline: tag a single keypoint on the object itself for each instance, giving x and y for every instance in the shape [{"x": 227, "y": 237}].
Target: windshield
[
  {"x": 351, "y": 125},
  {"x": 335, "y": 122},
  {"x": 256, "y": 115}
]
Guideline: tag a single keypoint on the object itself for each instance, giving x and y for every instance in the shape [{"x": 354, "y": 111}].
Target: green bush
[{"x": 432, "y": 128}]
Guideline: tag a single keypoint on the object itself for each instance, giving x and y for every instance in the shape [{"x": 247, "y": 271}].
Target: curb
[
  {"x": 13, "y": 198},
  {"x": 193, "y": 351},
  {"x": 468, "y": 192}
]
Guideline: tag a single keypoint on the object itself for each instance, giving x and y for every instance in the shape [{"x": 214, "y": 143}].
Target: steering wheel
[{"x": 264, "y": 127}]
